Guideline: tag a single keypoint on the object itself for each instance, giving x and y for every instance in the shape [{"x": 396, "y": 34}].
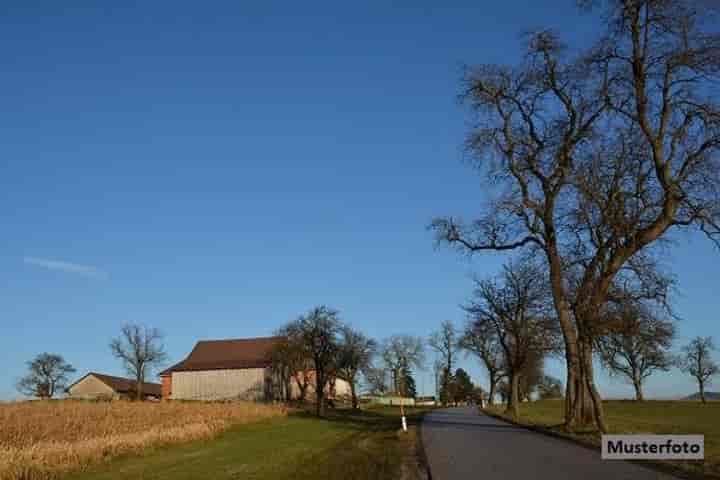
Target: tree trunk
[
  {"x": 570, "y": 391},
  {"x": 583, "y": 405},
  {"x": 591, "y": 388},
  {"x": 353, "y": 394},
  {"x": 574, "y": 385},
  {"x": 331, "y": 385},
  {"x": 138, "y": 388},
  {"x": 491, "y": 394},
  {"x": 288, "y": 388},
  {"x": 637, "y": 383},
  {"x": 319, "y": 393},
  {"x": 513, "y": 406},
  {"x": 701, "y": 384},
  {"x": 443, "y": 388},
  {"x": 580, "y": 410},
  {"x": 302, "y": 386},
  {"x": 578, "y": 403}
]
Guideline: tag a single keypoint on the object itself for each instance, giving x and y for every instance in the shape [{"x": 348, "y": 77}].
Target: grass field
[
  {"x": 345, "y": 445},
  {"x": 43, "y": 439},
  {"x": 661, "y": 417}
]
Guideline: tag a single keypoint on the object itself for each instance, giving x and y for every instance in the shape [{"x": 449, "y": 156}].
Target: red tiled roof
[
  {"x": 124, "y": 385},
  {"x": 227, "y": 354}
]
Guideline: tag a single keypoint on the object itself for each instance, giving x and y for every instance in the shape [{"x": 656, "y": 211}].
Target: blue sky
[{"x": 215, "y": 172}]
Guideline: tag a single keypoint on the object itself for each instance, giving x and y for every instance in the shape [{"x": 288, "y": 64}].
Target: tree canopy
[
  {"x": 594, "y": 156},
  {"x": 47, "y": 375}
]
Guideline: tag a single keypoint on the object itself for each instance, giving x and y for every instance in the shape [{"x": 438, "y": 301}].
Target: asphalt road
[{"x": 463, "y": 444}]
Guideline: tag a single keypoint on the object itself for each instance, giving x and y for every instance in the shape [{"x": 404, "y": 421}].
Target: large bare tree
[
  {"x": 140, "y": 350},
  {"x": 595, "y": 157},
  {"x": 515, "y": 309},
  {"x": 445, "y": 343},
  {"x": 697, "y": 361},
  {"x": 318, "y": 330},
  {"x": 47, "y": 375},
  {"x": 638, "y": 345}
]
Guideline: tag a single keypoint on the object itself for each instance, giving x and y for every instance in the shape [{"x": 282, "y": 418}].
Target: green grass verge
[
  {"x": 660, "y": 417},
  {"x": 345, "y": 445}
]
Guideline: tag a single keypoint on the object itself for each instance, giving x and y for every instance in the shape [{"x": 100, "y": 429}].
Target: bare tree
[
  {"x": 445, "y": 343},
  {"x": 376, "y": 380},
  {"x": 697, "y": 361},
  {"x": 291, "y": 362},
  {"x": 515, "y": 308},
  {"x": 530, "y": 379},
  {"x": 401, "y": 351},
  {"x": 140, "y": 350},
  {"x": 319, "y": 330},
  {"x": 599, "y": 156},
  {"x": 638, "y": 346},
  {"x": 481, "y": 339},
  {"x": 47, "y": 375},
  {"x": 355, "y": 356}
]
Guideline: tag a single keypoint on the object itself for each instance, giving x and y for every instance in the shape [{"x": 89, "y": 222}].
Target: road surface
[{"x": 463, "y": 444}]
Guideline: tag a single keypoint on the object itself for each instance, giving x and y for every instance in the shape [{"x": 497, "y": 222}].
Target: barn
[
  {"x": 227, "y": 369},
  {"x": 98, "y": 385}
]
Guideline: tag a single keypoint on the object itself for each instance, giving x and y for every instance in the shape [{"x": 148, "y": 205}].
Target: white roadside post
[{"x": 402, "y": 414}]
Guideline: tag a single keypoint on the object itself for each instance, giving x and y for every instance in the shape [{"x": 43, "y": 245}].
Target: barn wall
[
  {"x": 246, "y": 384},
  {"x": 91, "y": 387},
  {"x": 342, "y": 389}
]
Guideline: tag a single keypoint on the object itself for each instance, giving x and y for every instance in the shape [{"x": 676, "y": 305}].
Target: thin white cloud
[{"x": 67, "y": 267}]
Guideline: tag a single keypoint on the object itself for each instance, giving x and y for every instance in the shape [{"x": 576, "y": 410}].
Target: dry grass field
[{"x": 41, "y": 440}]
